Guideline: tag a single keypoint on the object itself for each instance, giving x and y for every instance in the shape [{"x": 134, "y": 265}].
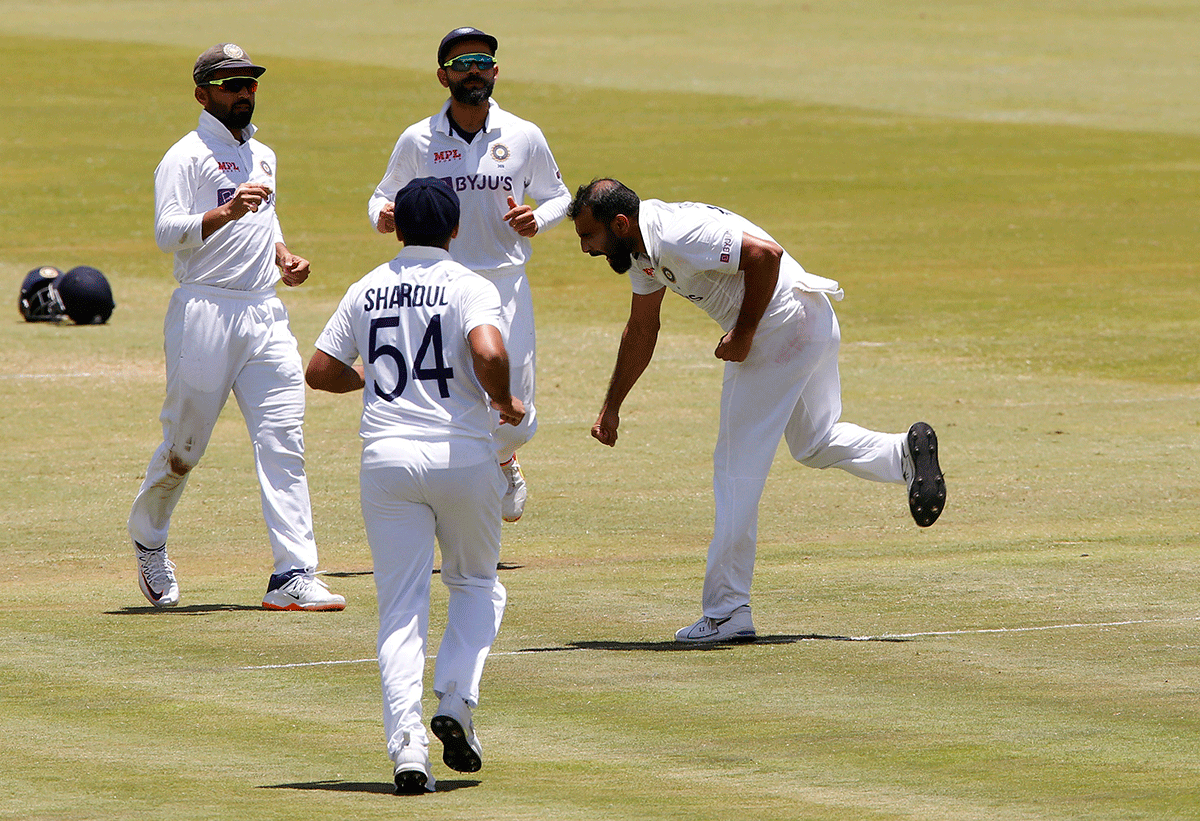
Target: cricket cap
[
  {"x": 426, "y": 212},
  {"x": 223, "y": 55},
  {"x": 464, "y": 33}
]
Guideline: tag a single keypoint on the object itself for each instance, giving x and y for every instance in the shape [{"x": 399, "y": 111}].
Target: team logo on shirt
[
  {"x": 266, "y": 169},
  {"x": 500, "y": 152},
  {"x": 669, "y": 274}
]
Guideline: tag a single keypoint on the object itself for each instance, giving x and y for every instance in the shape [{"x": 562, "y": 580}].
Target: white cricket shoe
[
  {"x": 923, "y": 475},
  {"x": 300, "y": 590},
  {"x": 156, "y": 576},
  {"x": 411, "y": 770},
  {"x": 452, "y": 724},
  {"x": 513, "y": 503},
  {"x": 737, "y": 626}
]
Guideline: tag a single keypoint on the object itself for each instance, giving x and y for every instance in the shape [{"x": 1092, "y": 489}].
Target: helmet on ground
[
  {"x": 39, "y": 300},
  {"x": 86, "y": 296}
]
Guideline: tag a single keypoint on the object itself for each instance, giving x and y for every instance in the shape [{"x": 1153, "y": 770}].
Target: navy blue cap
[
  {"x": 427, "y": 212},
  {"x": 464, "y": 33}
]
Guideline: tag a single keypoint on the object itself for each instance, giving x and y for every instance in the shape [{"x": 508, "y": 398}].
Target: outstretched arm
[{"x": 636, "y": 350}]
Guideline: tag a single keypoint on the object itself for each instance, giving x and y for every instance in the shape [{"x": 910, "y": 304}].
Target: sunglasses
[
  {"x": 463, "y": 62},
  {"x": 235, "y": 85}
]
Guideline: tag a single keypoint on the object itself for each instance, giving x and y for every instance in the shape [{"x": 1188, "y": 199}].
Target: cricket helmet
[
  {"x": 39, "y": 300},
  {"x": 86, "y": 296}
]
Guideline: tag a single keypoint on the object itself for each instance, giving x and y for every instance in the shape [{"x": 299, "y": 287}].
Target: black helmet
[
  {"x": 39, "y": 300},
  {"x": 86, "y": 296}
]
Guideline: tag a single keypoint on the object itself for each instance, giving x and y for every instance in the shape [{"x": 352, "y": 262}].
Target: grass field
[{"x": 1007, "y": 194}]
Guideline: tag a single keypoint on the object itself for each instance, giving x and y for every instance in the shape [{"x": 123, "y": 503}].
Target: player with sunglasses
[
  {"x": 493, "y": 160},
  {"x": 227, "y": 332}
]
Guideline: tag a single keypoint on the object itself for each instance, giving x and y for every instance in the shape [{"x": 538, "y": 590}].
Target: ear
[
  {"x": 201, "y": 96},
  {"x": 454, "y": 233},
  {"x": 443, "y": 79},
  {"x": 621, "y": 226}
]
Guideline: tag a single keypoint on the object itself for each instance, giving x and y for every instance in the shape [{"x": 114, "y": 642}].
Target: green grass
[{"x": 1025, "y": 283}]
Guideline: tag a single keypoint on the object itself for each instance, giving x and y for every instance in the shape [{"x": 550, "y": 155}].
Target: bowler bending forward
[{"x": 780, "y": 347}]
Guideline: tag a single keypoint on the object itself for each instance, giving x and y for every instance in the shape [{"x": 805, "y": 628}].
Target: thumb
[{"x": 512, "y": 203}]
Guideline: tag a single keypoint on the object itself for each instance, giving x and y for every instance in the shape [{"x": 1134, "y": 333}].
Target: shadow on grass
[
  {"x": 377, "y": 787},
  {"x": 187, "y": 610},
  {"x": 680, "y": 647},
  {"x": 345, "y": 574}
]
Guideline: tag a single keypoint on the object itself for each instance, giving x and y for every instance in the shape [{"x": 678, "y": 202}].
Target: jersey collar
[
  {"x": 210, "y": 126},
  {"x": 442, "y": 122}
]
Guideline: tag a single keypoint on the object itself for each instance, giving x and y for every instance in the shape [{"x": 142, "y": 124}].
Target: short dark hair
[{"x": 606, "y": 198}]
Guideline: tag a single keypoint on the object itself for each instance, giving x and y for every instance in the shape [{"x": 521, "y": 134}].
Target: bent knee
[{"x": 179, "y": 464}]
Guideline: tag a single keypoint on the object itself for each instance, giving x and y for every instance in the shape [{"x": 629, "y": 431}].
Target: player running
[
  {"x": 428, "y": 332},
  {"x": 493, "y": 160},
  {"x": 226, "y": 330},
  {"x": 781, "y": 376}
]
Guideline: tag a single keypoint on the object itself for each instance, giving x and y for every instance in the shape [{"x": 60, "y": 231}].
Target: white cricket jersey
[
  {"x": 408, "y": 320},
  {"x": 694, "y": 250},
  {"x": 508, "y": 158},
  {"x": 199, "y": 173}
]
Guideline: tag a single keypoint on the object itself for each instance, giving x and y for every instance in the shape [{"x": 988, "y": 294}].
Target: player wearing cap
[
  {"x": 428, "y": 332},
  {"x": 493, "y": 160},
  {"x": 781, "y": 377},
  {"x": 226, "y": 330}
]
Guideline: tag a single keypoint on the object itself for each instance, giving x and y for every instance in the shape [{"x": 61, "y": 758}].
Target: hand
[
  {"x": 294, "y": 270},
  {"x": 386, "y": 224},
  {"x": 521, "y": 218},
  {"x": 248, "y": 197},
  {"x": 605, "y": 429},
  {"x": 512, "y": 413},
  {"x": 734, "y": 346}
]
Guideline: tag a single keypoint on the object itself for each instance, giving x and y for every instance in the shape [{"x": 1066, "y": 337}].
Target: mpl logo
[
  {"x": 227, "y": 166},
  {"x": 446, "y": 156}
]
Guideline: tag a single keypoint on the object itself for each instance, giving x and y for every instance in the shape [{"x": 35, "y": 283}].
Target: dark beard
[
  {"x": 619, "y": 252},
  {"x": 474, "y": 95},
  {"x": 236, "y": 119},
  {"x": 620, "y": 260}
]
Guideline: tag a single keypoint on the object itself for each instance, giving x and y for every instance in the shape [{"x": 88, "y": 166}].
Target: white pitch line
[
  {"x": 981, "y": 630},
  {"x": 881, "y": 637}
]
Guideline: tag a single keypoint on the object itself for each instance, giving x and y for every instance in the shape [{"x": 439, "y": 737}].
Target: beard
[
  {"x": 619, "y": 252},
  {"x": 475, "y": 94},
  {"x": 236, "y": 116}
]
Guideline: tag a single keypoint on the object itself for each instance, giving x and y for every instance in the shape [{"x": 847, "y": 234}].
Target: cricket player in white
[
  {"x": 493, "y": 160},
  {"x": 428, "y": 332},
  {"x": 226, "y": 330},
  {"x": 781, "y": 375}
]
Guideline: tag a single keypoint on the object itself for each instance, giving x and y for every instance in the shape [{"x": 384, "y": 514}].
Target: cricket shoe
[
  {"x": 300, "y": 590},
  {"x": 461, "y": 750},
  {"x": 411, "y": 769},
  {"x": 513, "y": 503},
  {"x": 156, "y": 576},
  {"x": 736, "y": 627},
  {"x": 926, "y": 485}
]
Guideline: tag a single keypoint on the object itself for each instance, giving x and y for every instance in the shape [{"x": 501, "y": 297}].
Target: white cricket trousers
[
  {"x": 217, "y": 341},
  {"x": 520, "y": 340},
  {"x": 787, "y": 387},
  {"x": 406, "y": 507}
]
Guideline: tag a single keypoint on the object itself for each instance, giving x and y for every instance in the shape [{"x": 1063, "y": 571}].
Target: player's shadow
[
  {"x": 376, "y": 787},
  {"x": 681, "y": 647},
  {"x": 186, "y": 610}
]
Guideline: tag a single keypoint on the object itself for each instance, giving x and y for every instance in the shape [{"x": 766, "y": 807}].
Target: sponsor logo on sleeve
[{"x": 726, "y": 247}]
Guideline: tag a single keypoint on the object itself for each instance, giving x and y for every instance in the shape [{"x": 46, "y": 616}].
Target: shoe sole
[
  {"x": 736, "y": 638},
  {"x": 457, "y": 753},
  {"x": 411, "y": 782},
  {"x": 927, "y": 494},
  {"x": 327, "y": 608}
]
